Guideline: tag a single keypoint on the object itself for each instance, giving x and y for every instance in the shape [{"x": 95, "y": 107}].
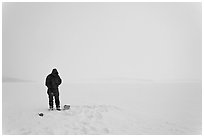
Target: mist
[
  {"x": 126, "y": 68},
  {"x": 97, "y": 41}
]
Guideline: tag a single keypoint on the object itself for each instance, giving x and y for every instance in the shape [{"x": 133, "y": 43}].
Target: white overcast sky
[{"x": 154, "y": 41}]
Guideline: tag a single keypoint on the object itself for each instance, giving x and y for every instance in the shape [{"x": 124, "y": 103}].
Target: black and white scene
[{"x": 101, "y": 68}]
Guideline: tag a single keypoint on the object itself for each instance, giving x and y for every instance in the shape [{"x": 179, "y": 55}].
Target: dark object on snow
[
  {"x": 66, "y": 107},
  {"x": 41, "y": 114},
  {"x": 53, "y": 81}
]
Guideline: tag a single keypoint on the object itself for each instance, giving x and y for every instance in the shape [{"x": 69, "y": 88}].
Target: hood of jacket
[{"x": 54, "y": 72}]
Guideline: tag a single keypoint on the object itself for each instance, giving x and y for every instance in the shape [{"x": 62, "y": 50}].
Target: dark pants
[{"x": 53, "y": 93}]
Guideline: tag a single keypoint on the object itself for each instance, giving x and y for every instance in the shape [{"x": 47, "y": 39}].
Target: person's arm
[
  {"x": 59, "y": 80},
  {"x": 47, "y": 83}
]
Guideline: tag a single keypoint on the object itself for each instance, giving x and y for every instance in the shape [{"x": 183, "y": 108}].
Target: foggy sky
[{"x": 156, "y": 41}]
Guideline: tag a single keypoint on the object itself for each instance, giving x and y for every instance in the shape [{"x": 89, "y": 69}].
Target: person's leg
[
  {"x": 50, "y": 95},
  {"x": 57, "y": 101}
]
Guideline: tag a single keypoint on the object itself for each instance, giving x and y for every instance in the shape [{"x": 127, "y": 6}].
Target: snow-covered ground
[{"x": 104, "y": 108}]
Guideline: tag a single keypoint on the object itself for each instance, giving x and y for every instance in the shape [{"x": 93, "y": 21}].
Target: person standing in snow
[{"x": 53, "y": 81}]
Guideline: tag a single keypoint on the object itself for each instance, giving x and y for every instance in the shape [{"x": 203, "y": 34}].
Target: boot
[
  {"x": 58, "y": 108},
  {"x": 51, "y": 108}
]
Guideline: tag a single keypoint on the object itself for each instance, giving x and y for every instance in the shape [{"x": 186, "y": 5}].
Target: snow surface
[{"x": 144, "y": 108}]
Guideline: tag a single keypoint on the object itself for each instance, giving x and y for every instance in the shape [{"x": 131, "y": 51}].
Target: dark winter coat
[{"x": 53, "y": 80}]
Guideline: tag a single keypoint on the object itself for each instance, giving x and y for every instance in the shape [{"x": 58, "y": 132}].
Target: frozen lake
[{"x": 105, "y": 108}]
